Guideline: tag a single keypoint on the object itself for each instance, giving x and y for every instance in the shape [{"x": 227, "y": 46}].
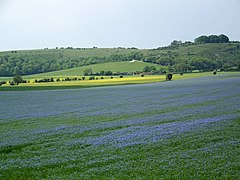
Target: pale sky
[{"x": 32, "y": 24}]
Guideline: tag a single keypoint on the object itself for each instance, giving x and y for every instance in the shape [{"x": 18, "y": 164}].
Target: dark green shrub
[
  {"x": 91, "y": 78},
  {"x": 169, "y": 77},
  {"x": 3, "y": 82},
  {"x": 108, "y": 73},
  {"x": 67, "y": 79}
]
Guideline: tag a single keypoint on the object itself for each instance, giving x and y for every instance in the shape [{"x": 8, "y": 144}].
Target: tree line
[{"x": 212, "y": 39}]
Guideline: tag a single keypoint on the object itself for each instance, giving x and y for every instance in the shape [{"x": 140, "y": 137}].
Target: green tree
[
  {"x": 87, "y": 72},
  {"x": 108, "y": 73},
  {"x": 101, "y": 73},
  {"x": 182, "y": 67},
  {"x": 149, "y": 68},
  {"x": 213, "y": 39},
  {"x": 16, "y": 70},
  {"x": 17, "y": 79},
  {"x": 202, "y": 40},
  {"x": 170, "y": 68},
  {"x": 2, "y": 70},
  {"x": 223, "y": 38},
  {"x": 176, "y": 43}
]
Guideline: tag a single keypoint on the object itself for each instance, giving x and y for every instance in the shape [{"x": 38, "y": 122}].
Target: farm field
[
  {"x": 107, "y": 81},
  {"x": 186, "y": 129}
]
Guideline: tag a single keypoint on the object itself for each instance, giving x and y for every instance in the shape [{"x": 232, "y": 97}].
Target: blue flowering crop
[{"x": 186, "y": 128}]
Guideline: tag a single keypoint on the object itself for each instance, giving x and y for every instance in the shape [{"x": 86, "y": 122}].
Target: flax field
[{"x": 185, "y": 129}]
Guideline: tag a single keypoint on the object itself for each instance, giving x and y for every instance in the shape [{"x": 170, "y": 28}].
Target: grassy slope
[
  {"x": 72, "y": 53},
  {"x": 90, "y": 52},
  {"x": 203, "y": 49},
  {"x": 125, "y": 66}
]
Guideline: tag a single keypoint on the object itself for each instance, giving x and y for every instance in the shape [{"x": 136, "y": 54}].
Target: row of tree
[
  {"x": 212, "y": 39},
  {"x": 89, "y": 72},
  {"x": 17, "y": 79}
]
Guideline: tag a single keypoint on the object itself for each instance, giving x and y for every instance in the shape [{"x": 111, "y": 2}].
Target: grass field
[
  {"x": 186, "y": 129},
  {"x": 124, "y": 66}
]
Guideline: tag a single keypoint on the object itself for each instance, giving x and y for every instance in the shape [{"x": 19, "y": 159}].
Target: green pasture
[{"x": 124, "y": 66}]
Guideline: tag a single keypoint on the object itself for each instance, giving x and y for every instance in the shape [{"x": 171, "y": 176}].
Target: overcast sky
[{"x": 31, "y": 24}]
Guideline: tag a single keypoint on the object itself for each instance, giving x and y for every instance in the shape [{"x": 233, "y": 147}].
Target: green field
[{"x": 125, "y": 66}]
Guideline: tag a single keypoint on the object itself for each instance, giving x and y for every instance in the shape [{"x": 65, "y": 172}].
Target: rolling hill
[{"x": 182, "y": 58}]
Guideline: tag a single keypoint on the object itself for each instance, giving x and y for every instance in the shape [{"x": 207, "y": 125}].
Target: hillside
[
  {"x": 46, "y": 60},
  {"x": 185, "y": 57},
  {"x": 124, "y": 66}
]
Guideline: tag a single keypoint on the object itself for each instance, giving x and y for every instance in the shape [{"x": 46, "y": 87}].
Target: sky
[{"x": 36, "y": 24}]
